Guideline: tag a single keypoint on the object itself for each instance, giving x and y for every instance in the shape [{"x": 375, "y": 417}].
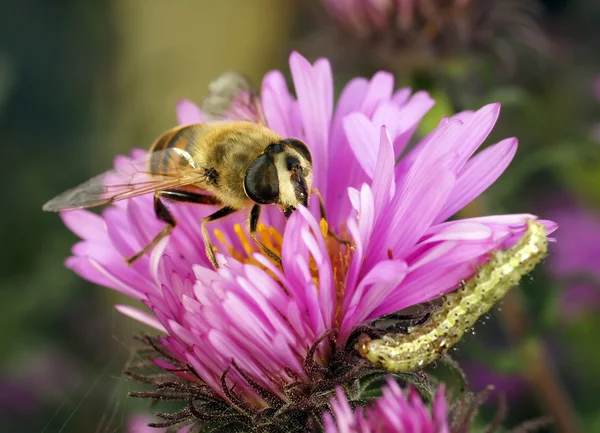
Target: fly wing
[
  {"x": 232, "y": 96},
  {"x": 131, "y": 179}
]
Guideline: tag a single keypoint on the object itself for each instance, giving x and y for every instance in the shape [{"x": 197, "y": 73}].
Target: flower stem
[{"x": 538, "y": 366}]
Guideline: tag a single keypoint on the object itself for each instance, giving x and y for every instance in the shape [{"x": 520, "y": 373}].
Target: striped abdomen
[{"x": 183, "y": 138}]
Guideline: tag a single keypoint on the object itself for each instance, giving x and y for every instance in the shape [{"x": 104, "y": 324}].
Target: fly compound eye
[
  {"x": 299, "y": 147},
  {"x": 261, "y": 182}
]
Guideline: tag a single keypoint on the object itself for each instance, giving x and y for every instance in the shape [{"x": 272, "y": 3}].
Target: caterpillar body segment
[{"x": 423, "y": 344}]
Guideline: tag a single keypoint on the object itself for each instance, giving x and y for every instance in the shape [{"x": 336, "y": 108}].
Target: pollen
[
  {"x": 246, "y": 243},
  {"x": 268, "y": 236},
  {"x": 324, "y": 227}
]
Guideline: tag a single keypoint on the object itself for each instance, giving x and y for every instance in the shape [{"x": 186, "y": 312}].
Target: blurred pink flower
[
  {"x": 45, "y": 376},
  {"x": 364, "y": 17},
  {"x": 511, "y": 385},
  {"x": 266, "y": 318},
  {"x": 409, "y": 35},
  {"x": 394, "y": 412},
  {"x": 576, "y": 257}
]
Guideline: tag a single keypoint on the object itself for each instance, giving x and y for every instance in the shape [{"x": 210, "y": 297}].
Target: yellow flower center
[{"x": 339, "y": 250}]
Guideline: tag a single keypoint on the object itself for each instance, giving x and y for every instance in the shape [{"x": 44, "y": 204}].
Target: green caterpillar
[{"x": 460, "y": 309}]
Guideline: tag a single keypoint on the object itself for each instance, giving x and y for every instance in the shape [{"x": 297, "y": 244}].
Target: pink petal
[
  {"x": 479, "y": 174},
  {"x": 141, "y": 317},
  {"x": 474, "y": 132},
  {"x": 383, "y": 180},
  {"x": 400, "y": 96},
  {"x": 363, "y": 137},
  {"x": 188, "y": 113},
  {"x": 380, "y": 89},
  {"x": 372, "y": 290},
  {"x": 85, "y": 224},
  {"x": 314, "y": 90},
  {"x": 411, "y": 211},
  {"x": 440, "y": 411},
  {"x": 279, "y": 106}
]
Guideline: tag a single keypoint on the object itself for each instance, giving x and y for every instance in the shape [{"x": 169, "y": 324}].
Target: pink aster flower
[
  {"x": 247, "y": 331},
  {"x": 394, "y": 412}
]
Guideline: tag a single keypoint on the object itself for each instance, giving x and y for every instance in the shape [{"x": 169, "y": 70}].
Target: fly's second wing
[{"x": 232, "y": 96}]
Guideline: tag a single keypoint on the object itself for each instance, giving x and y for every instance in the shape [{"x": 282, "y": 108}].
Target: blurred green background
[{"x": 83, "y": 81}]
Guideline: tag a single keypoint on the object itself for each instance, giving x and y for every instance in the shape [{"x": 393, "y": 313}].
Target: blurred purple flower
[
  {"x": 596, "y": 89},
  {"x": 365, "y": 17},
  {"x": 44, "y": 377},
  {"x": 266, "y": 318},
  {"x": 409, "y": 35},
  {"x": 480, "y": 376},
  {"x": 576, "y": 257},
  {"x": 394, "y": 412}
]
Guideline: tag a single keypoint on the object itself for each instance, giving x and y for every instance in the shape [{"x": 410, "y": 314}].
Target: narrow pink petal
[
  {"x": 408, "y": 119},
  {"x": 329, "y": 424},
  {"x": 380, "y": 89},
  {"x": 474, "y": 132},
  {"x": 350, "y": 100},
  {"x": 456, "y": 230},
  {"x": 383, "y": 180},
  {"x": 341, "y": 155},
  {"x": 400, "y": 96},
  {"x": 477, "y": 175},
  {"x": 431, "y": 253},
  {"x": 411, "y": 212},
  {"x": 363, "y": 137},
  {"x": 463, "y": 116},
  {"x": 354, "y": 196},
  {"x": 414, "y": 110},
  {"x": 440, "y": 411},
  {"x": 139, "y": 424},
  {"x": 372, "y": 290},
  {"x": 279, "y": 106},
  {"x": 388, "y": 114},
  {"x": 505, "y": 219},
  {"x": 314, "y": 90},
  {"x": 422, "y": 286},
  {"x": 85, "y": 224},
  {"x": 434, "y": 146},
  {"x": 115, "y": 280},
  {"x": 188, "y": 113},
  {"x": 140, "y": 316},
  {"x": 82, "y": 267},
  {"x": 551, "y": 226}
]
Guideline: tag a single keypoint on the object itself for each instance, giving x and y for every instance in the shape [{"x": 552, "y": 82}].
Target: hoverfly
[{"x": 236, "y": 164}]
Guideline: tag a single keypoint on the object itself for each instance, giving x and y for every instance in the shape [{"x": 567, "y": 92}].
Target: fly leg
[
  {"x": 163, "y": 214},
  {"x": 323, "y": 212},
  {"x": 221, "y": 213},
  {"x": 254, "y": 216}
]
